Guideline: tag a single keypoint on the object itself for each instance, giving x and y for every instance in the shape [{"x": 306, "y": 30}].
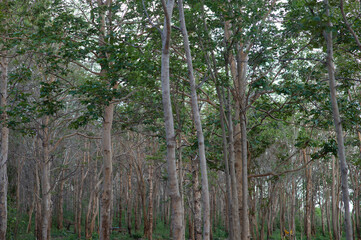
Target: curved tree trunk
[{"x": 177, "y": 228}]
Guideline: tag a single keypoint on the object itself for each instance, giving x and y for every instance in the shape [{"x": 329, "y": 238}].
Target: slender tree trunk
[
  {"x": 293, "y": 210},
  {"x": 107, "y": 173},
  {"x": 282, "y": 214},
  {"x": 198, "y": 125},
  {"x": 308, "y": 201},
  {"x": 61, "y": 202},
  {"x": 120, "y": 203},
  {"x": 4, "y": 148},
  {"x": 327, "y": 196},
  {"x": 322, "y": 217},
  {"x": 197, "y": 202},
  {"x": 129, "y": 203},
  {"x": 37, "y": 232},
  {"x": 45, "y": 183},
  {"x": 88, "y": 216},
  {"x": 150, "y": 205},
  {"x": 338, "y": 127},
  {"x": 30, "y": 214},
  {"x": 177, "y": 228},
  {"x": 335, "y": 227}
]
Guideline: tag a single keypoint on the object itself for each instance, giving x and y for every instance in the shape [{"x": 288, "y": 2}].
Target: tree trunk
[
  {"x": 37, "y": 232},
  {"x": 197, "y": 202},
  {"x": 4, "y": 148},
  {"x": 129, "y": 203},
  {"x": 292, "y": 219},
  {"x": 177, "y": 228},
  {"x": 120, "y": 203},
  {"x": 45, "y": 183},
  {"x": 150, "y": 205},
  {"x": 61, "y": 202},
  {"x": 282, "y": 213},
  {"x": 235, "y": 205},
  {"x": 107, "y": 174},
  {"x": 335, "y": 226},
  {"x": 236, "y": 138},
  {"x": 198, "y": 125},
  {"x": 242, "y": 65},
  {"x": 308, "y": 201},
  {"x": 30, "y": 213},
  {"x": 338, "y": 127},
  {"x": 327, "y": 196}
]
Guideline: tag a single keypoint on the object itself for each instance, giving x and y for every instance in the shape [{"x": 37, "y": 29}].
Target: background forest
[{"x": 179, "y": 120}]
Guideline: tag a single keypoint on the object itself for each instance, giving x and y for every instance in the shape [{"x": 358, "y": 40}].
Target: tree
[
  {"x": 177, "y": 227},
  {"x": 338, "y": 125}
]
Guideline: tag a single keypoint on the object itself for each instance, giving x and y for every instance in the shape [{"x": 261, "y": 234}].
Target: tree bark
[
  {"x": 129, "y": 203},
  {"x": 107, "y": 173},
  {"x": 197, "y": 202},
  {"x": 338, "y": 127},
  {"x": 4, "y": 148},
  {"x": 235, "y": 205},
  {"x": 45, "y": 182},
  {"x": 335, "y": 227},
  {"x": 308, "y": 201},
  {"x": 61, "y": 202},
  {"x": 198, "y": 125},
  {"x": 150, "y": 204},
  {"x": 177, "y": 228},
  {"x": 293, "y": 210}
]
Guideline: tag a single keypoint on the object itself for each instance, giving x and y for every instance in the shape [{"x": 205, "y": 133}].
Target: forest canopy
[{"x": 180, "y": 119}]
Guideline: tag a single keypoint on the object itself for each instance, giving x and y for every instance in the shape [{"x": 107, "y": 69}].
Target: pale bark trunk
[
  {"x": 282, "y": 214},
  {"x": 80, "y": 194},
  {"x": 4, "y": 149},
  {"x": 327, "y": 212},
  {"x": 197, "y": 202},
  {"x": 293, "y": 210},
  {"x": 61, "y": 202},
  {"x": 31, "y": 210},
  {"x": 322, "y": 215},
  {"x": 338, "y": 127},
  {"x": 150, "y": 205},
  {"x": 198, "y": 125},
  {"x": 106, "y": 195},
  {"x": 107, "y": 173},
  {"x": 308, "y": 201},
  {"x": 120, "y": 203},
  {"x": 129, "y": 203},
  {"x": 38, "y": 200},
  {"x": 93, "y": 204},
  {"x": 335, "y": 227},
  {"x": 45, "y": 183},
  {"x": 242, "y": 64},
  {"x": 88, "y": 216},
  {"x": 177, "y": 228}
]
